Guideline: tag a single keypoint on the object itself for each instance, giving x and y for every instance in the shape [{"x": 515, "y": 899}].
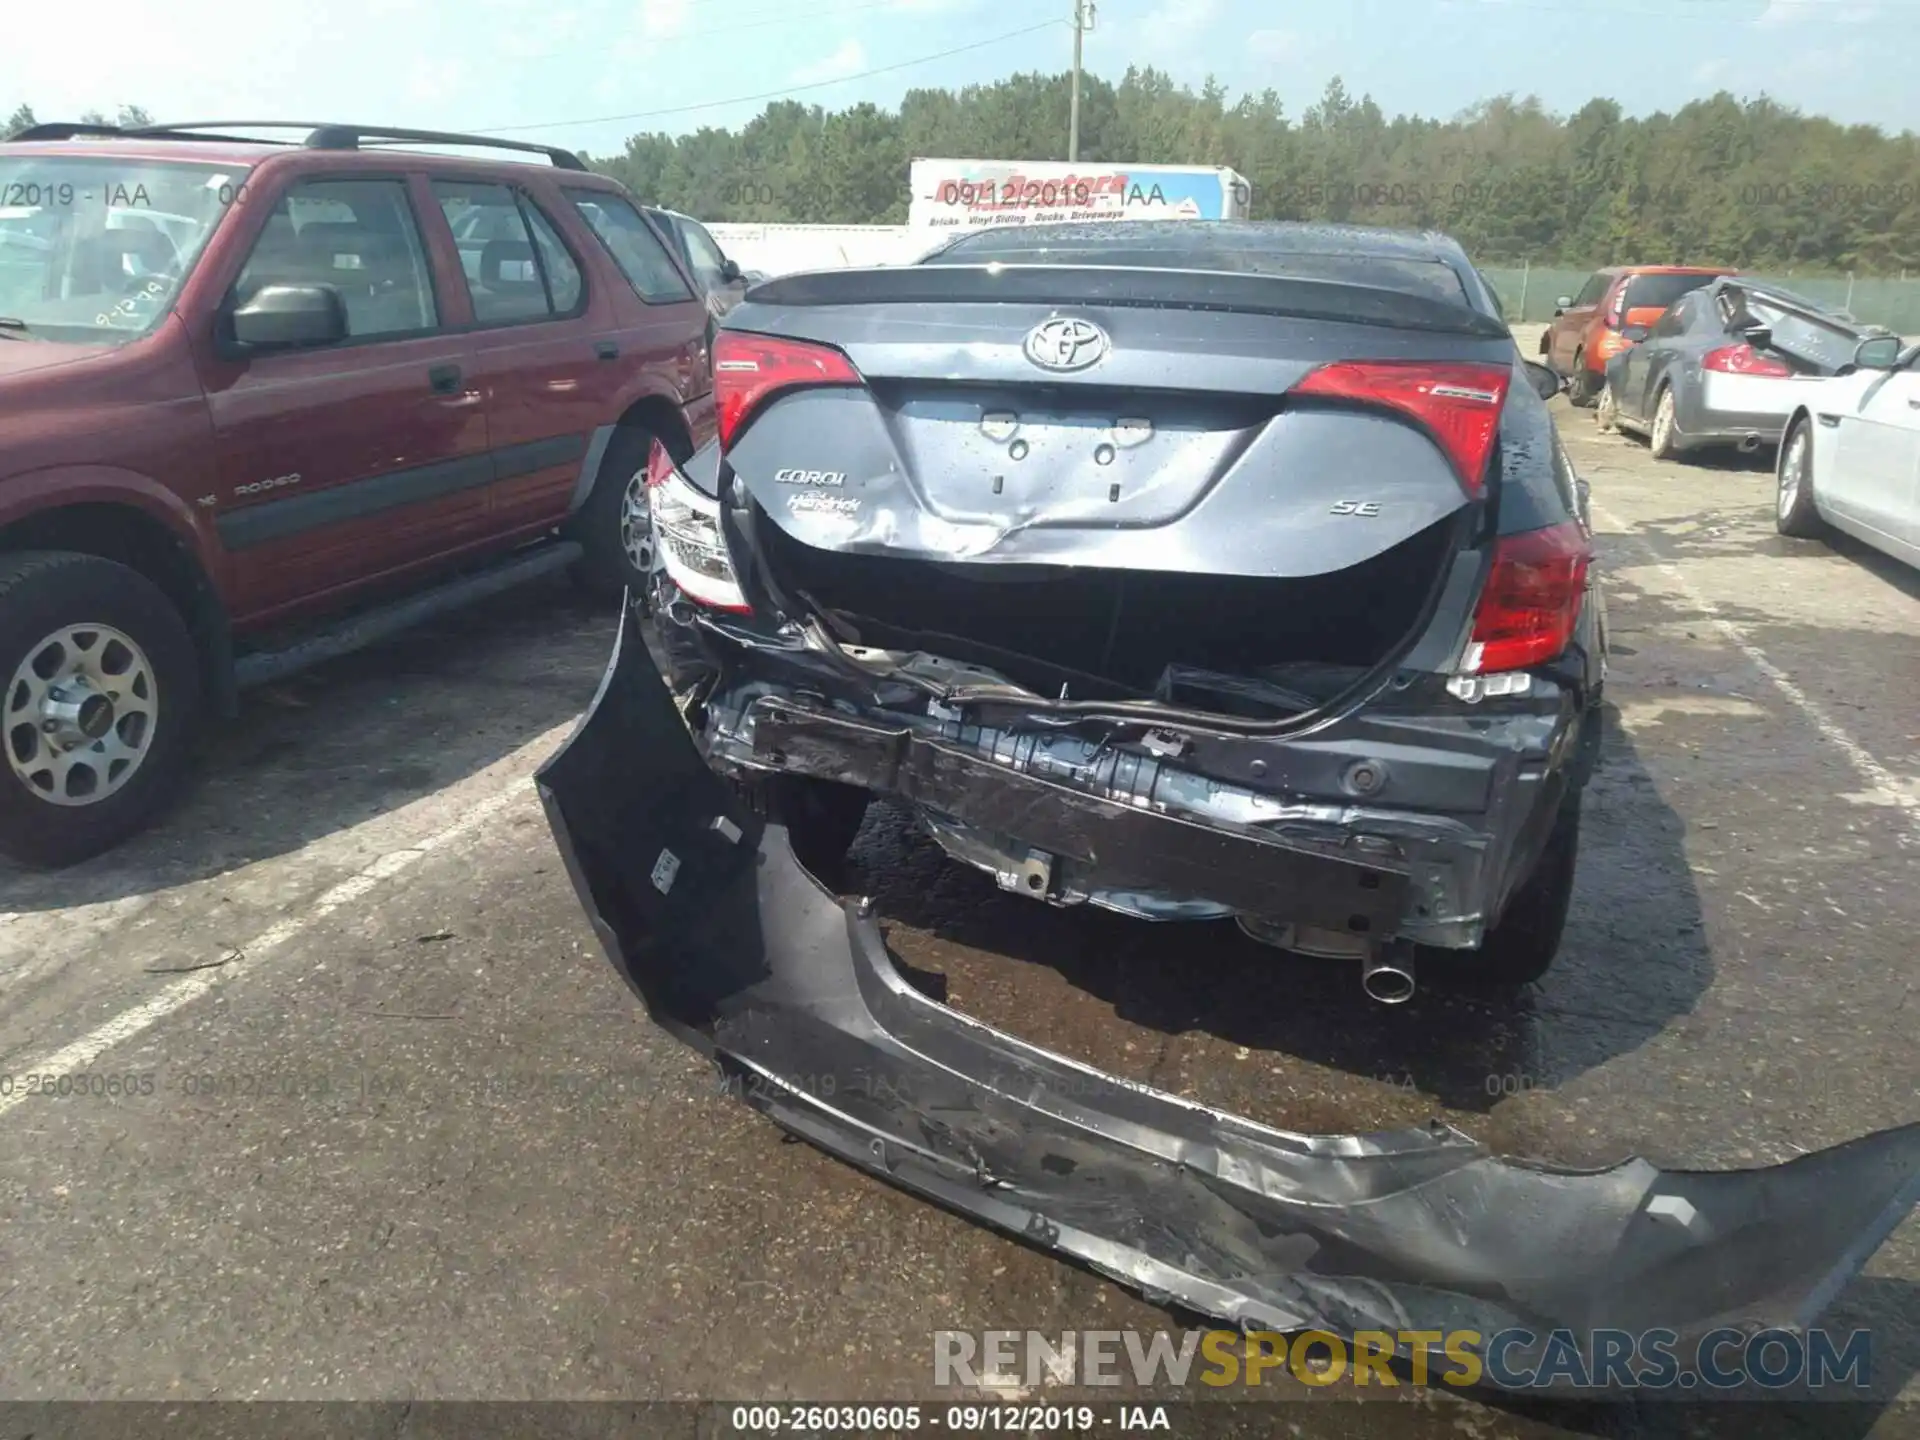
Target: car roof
[
  {"x": 249, "y": 153},
  {"x": 1670, "y": 270}
]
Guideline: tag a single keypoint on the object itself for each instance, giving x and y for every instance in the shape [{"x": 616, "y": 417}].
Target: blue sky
[{"x": 492, "y": 64}]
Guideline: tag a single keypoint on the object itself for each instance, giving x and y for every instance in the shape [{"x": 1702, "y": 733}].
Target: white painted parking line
[
  {"x": 189, "y": 988},
  {"x": 1883, "y": 786}
]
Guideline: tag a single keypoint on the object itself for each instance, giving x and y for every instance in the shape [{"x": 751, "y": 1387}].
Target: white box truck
[{"x": 950, "y": 195}]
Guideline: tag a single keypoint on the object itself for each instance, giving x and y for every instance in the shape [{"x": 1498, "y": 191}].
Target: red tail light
[
  {"x": 1459, "y": 404},
  {"x": 1532, "y": 600},
  {"x": 1617, "y": 311},
  {"x": 750, "y": 369},
  {"x": 1744, "y": 360}
]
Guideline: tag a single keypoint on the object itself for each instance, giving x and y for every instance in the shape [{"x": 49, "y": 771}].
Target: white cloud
[
  {"x": 1276, "y": 47},
  {"x": 1174, "y": 28},
  {"x": 1826, "y": 12},
  {"x": 1708, "y": 72},
  {"x": 431, "y": 82},
  {"x": 662, "y": 19},
  {"x": 1831, "y": 62},
  {"x": 849, "y": 59}
]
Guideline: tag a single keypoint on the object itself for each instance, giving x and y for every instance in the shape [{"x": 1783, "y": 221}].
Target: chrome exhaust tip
[
  {"x": 1749, "y": 444},
  {"x": 1387, "y": 975}
]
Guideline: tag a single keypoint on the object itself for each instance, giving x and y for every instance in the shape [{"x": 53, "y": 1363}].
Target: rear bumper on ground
[{"x": 735, "y": 949}]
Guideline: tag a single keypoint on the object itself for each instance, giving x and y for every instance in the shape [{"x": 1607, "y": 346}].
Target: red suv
[
  {"x": 1614, "y": 309},
  {"x": 261, "y": 402}
]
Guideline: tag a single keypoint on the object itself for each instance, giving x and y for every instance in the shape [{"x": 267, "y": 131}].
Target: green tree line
[
  {"x": 1720, "y": 181},
  {"x": 1724, "y": 181}
]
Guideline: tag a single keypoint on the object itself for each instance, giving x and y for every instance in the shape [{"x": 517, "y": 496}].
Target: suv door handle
[
  {"x": 444, "y": 378},
  {"x": 606, "y": 350}
]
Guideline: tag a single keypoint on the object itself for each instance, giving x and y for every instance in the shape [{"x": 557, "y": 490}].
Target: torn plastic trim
[{"x": 735, "y": 949}]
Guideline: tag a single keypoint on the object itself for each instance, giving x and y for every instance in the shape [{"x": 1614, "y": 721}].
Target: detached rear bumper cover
[{"x": 738, "y": 951}]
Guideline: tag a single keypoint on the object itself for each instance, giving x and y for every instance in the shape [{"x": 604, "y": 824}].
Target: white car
[{"x": 1850, "y": 456}]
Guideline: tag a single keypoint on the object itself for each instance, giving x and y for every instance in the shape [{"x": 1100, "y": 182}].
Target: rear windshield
[
  {"x": 1647, "y": 292},
  {"x": 1167, "y": 245}
]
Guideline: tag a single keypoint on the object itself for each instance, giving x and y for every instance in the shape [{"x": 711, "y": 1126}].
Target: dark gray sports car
[
  {"x": 1725, "y": 366},
  {"x": 1190, "y": 571}
]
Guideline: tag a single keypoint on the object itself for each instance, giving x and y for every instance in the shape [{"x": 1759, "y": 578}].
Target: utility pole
[{"x": 1082, "y": 22}]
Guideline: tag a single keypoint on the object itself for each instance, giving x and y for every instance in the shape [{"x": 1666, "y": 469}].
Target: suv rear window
[
  {"x": 1644, "y": 292},
  {"x": 632, "y": 243}
]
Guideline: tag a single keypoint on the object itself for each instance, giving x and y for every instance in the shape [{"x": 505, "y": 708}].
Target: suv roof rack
[
  {"x": 322, "y": 135},
  {"x": 73, "y": 130}
]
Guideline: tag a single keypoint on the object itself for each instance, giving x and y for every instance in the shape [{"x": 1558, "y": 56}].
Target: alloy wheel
[
  {"x": 79, "y": 714},
  {"x": 636, "y": 524}
]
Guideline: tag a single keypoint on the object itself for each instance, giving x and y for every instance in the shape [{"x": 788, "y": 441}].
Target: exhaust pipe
[
  {"x": 1749, "y": 444},
  {"x": 1387, "y": 974}
]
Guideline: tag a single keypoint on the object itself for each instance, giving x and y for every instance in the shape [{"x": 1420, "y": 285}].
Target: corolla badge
[
  {"x": 810, "y": 477},
  {"x": 1065, "y": 343}
]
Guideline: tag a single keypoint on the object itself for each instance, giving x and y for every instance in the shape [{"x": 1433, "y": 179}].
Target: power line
[{"x": 773, "y": 94}]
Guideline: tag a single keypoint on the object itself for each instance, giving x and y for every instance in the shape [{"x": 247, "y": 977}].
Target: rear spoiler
[{"x": 1140, "y": 286}]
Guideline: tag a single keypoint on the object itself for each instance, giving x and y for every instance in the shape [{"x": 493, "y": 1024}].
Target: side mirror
[
  {"x": 1565, "y": 302},
  {"x": 282, "y": 316},
  {"x": 730, "y": 271},
  {"x": 1880, "y": 352},
  {"x": 1636, "y": 333},
  {"x": 1546, "y": 383}
]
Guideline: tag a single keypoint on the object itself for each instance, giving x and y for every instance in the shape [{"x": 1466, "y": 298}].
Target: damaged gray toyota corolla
[
  {"x": 1190, "y": 572},
  {"x": 1230, "y": 572}
]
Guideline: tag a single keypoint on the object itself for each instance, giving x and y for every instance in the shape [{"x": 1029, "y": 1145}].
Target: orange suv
[{"x": 1614, "y": 309}]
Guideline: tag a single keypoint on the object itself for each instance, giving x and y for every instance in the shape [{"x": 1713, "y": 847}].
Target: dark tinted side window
[
  {"x": 1677, "y": 319},
  {"x": 632, "y": 244}
]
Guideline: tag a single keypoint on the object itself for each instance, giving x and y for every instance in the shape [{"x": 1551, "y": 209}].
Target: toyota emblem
[{"x": 1065, "y": 343}]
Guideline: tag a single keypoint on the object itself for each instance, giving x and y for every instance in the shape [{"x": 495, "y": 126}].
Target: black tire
[
  {"x": 1521, "y": 948},
  {"x": 1581, "y": 386},
  {"x": 1794, "y": 511},
  {"x": 822, "y": 817},
  {"x": 41, "y": 594},
  {"x": 606, "y": 569}
]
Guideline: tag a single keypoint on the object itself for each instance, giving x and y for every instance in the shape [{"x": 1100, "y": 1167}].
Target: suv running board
[{"x": 364, "y": 627}]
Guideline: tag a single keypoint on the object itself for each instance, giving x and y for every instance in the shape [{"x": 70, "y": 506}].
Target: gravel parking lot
[{"x": 395, "y": 1131}]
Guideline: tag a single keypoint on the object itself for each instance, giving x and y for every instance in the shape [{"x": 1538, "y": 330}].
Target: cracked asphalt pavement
[{"x": 387, "y": 1127}]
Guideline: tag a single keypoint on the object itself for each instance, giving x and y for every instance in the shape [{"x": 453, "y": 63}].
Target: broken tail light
[
  {"x": 1457, "y": 403},
  {"x": 749, "y": 370},
  {"x": 1744, "y": 360},
  {"x": 686, "y": 528},
  {"x": 1531, "y": 602}
]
